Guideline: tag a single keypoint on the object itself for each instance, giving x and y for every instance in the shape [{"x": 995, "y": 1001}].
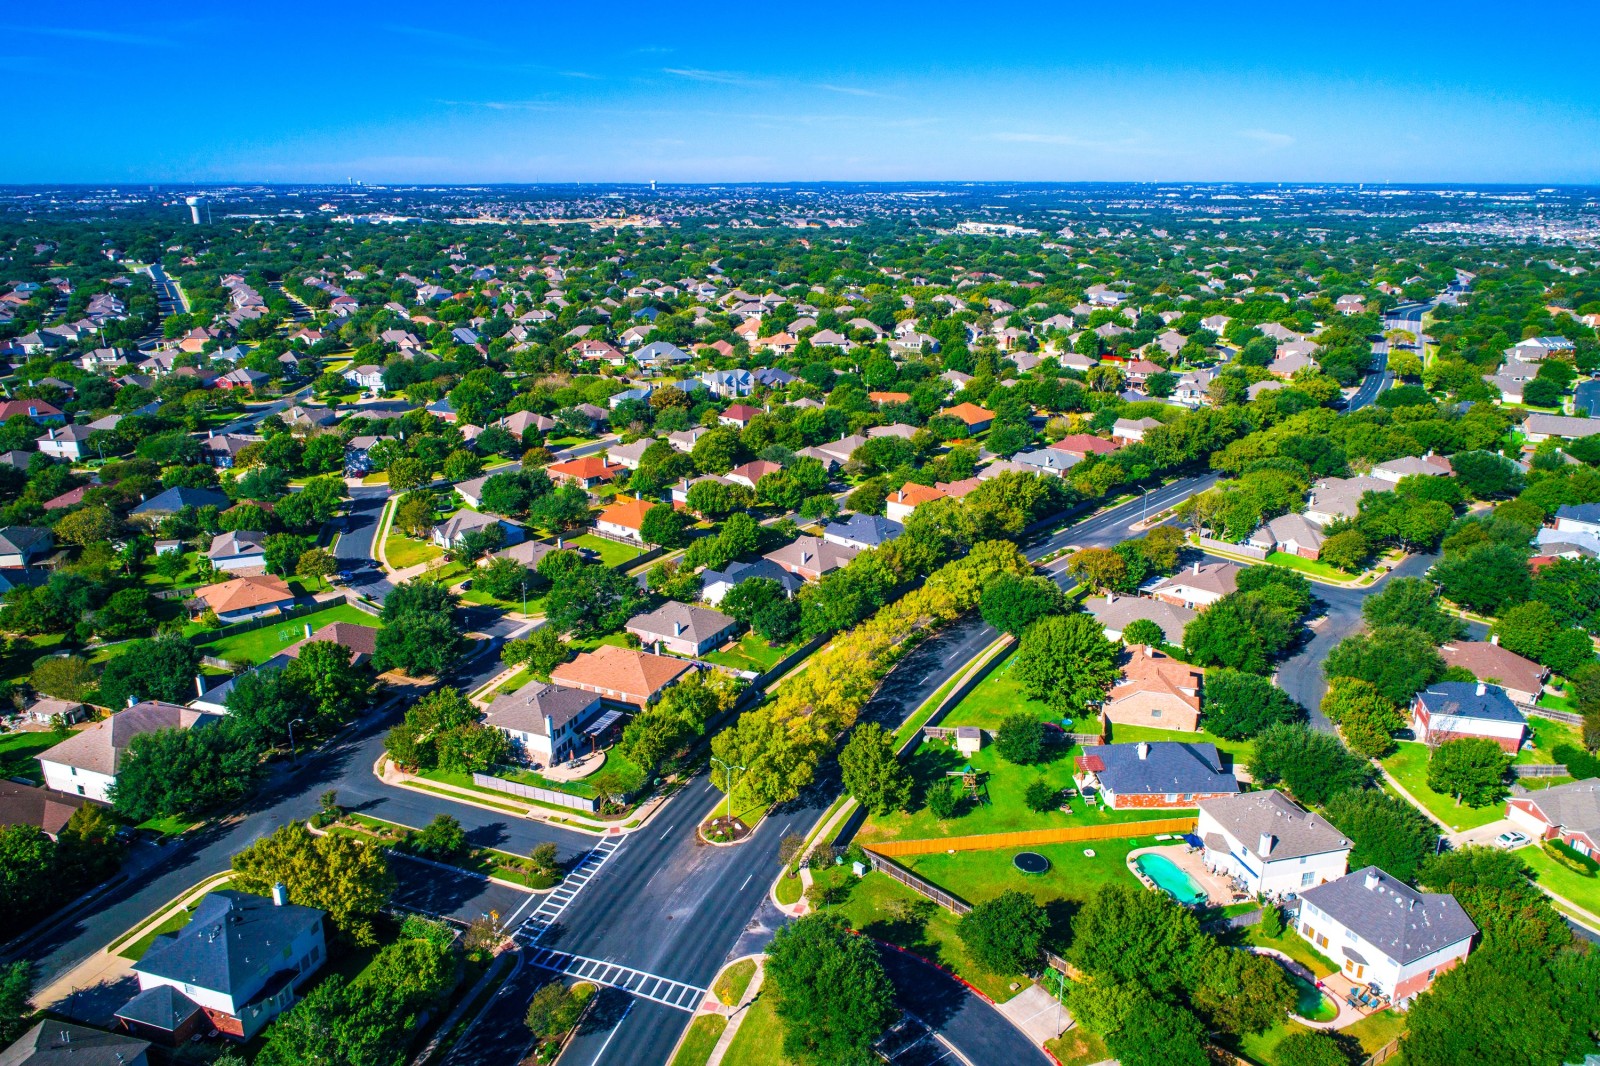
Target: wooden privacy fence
[
  {"x": 1555, "y": 716},
  {"x": 1034, "y": 837},
  {"x": 920, "y": 885}
]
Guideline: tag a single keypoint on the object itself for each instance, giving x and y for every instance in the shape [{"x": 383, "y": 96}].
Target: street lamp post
[
  {"x": 727, "y": 775},
  {"x": 1144, "y": 513},
  {"x": 294, "y": 757},
  {"x": 524, "y": 598}
]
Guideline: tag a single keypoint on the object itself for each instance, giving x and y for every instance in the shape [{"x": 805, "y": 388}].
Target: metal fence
[
  {"x": 534, "y": 792},
  {"x": 1035, "y": 837}
]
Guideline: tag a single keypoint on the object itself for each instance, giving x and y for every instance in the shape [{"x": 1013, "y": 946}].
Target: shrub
[
  {"x": 1040, "y": 795},
  {"x": 1020, "y": 738},
  {"x": 946, "y": 800},
  {"x": 1572, "y": 859}
]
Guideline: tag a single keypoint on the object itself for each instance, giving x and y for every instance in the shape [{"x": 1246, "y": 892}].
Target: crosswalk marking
[
  {"x": 649, "y": 986},
  {"x": 550, "y": 907}
]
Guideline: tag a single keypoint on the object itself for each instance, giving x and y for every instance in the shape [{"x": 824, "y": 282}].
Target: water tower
[{"x": 194, "y": 203}]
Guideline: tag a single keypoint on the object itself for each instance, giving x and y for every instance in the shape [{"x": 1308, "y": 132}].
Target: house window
[
  {"x": 1321, "y": 941},
  {"x": 1431, "y": 973},
  {"x": 1306, "y": 879},
  {"x": 1156, "y": 713},
  {"x": 1172, "y": 797}
]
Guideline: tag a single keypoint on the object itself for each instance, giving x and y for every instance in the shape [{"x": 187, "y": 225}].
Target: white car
[{"x": 1510, "y": 839}]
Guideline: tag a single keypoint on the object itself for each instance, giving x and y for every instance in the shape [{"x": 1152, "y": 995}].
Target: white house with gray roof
[
  {"x": 1116, "y": 613},
  {"x": 1382, "y": 932},
  {"x": 1270, "y": 843},
  {"x": 682, "y": 628},
  {"x": 543, "y": 722}
]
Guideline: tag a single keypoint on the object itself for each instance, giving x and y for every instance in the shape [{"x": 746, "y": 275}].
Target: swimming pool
[
  {"x": 1310, "y": 1002},
  {"x": 1170, "y": 878}
]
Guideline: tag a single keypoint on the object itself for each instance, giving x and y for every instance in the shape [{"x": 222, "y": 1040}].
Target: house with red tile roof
[
  {"x": 974, "y": 417},
  {"x": 621, "y": 675},
  {"x": 586, "y": 473}
]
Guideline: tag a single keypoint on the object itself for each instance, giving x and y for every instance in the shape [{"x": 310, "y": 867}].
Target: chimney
[
  {"x": 1264, "y": 845},
  {"x": 1111, "y": 597},
  {"x": 199, "y": 684},
  {"x": 805, "y": 557},
  {"x": 280, "y": 894},
  {"x": 1372, "y": 881},
  {"x": 1196, "y": 569},
  {"x": 132, "y": 701},
  {"x": 1494, "y": 638},
  {"x": 1482, "y": 689},
  {"x": 1144, "y": 750},
  {"x": 677, "y": 629},
  {"x": 210, "y": 433},
  {"x": 308, "y": 630}
]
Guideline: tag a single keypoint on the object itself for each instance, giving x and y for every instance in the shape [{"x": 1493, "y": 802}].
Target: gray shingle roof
[
  {"x": 162, "y": 1007},
  {"x": 222, "y": 947},
  {"x": 1575, "y": 806},
  {"x": 1294, "y": 831},
  {"x": 525, "y": 710},
  {"x": 1167, "y": 767},
  {"x": 57, "y": 1043},
  {"x": 674, "y": 619},
  {"x": 174, "y": 500},
  {"x": 1392, "y": 916},
  {"x": 1464, "y": 699},
  {"x": 868, "y": 529}
]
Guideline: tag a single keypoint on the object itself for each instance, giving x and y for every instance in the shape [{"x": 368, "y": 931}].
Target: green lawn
[
  {"x": 172, "y": 825},
  {"x": 1563, "y": 702},
  {"x": 1073, "y": 876},
  {"x": 700, "y": 1041},
  {"x": 1371, "y": 1032},
  {"x": 259, "y": 645},
  {"x": 1309, "y": 567},
  {"x": 1547, "y": 735},
  {"x": 1238, "y": 750},
  {"x": 581, "y": 787},
  {"x": 1290, "y": 943},
  {"x": 1584, "y": 891},
  {"x": 1078, "y": 1047},
  {"x": 135, "y": 950},
  {"x": 735, "y": 979},
  {"x": 751, "y": 653},
  {"x": 995, "y": 697},
  {"x": 611, "y": 552},
  {"x": 759, "y": 1041},
  {"x": 1409, "y": 765},
  {"x": 17, "y": 751},
  {"x": 401, "y": 551},
  {"x": 1005, "y": 810}
]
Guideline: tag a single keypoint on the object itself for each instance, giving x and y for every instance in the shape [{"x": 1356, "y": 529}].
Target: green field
[
  {"x": 1073, "y": 876},
  {"x": 1309, "y": 567},
  {"x": 995, "y": 697},
  {"x": 730, "y": 987},
  {"x": 402, "y": 552},
  {"x": 17, "y": 751},
  {"x": 611, "y": 552},
  {"x": 759, "y": 1041},
  {"x": 1580, "y": 889},
  {"x": 1547, "y": 735},
  {"x": 700, "y": 1040},
  {"x": 1409, "y": 765},
  {"x": 259, "y": 645}
]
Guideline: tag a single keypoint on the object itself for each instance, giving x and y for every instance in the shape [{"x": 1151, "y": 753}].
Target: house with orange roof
[
  {"x": 625, "y": 518},
  {"x": 244, "y": 598},
  {"x": 908, "y": 498},
  {"x": 976, "y": 418},
  {"x": 586, "y": 473},
  {"x": 621, "y": 675},
  {"x": 1156, "y": 690},
  {"x": 778, "y": 343},
  {"x": 889, "y": 397}
]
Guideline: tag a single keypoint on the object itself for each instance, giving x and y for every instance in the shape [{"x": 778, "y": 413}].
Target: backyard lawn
[
  {"x": 1371, "y": 1032},
  {"x": 1005, "y": 810},
  {"x": 582, "y": 787},
  {"x": 17, "y": 751},
  {"x": 1072, "y": 878},
  {"x": 1309, "y": 567},
  {"x": 1547, "y": 735},
  {"x": 995, "y": 697},
  {"x": 751, "y": 653},
  {"x": 401, "y": 551},
  {"x": 1409, "y": 765},
  {"x": 611, "y": 552},
  {"x": 258, "y": 645}
]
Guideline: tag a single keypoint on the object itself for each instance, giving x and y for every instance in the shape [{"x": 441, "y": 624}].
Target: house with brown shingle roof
[
  {"x": 86, "y": 763},
  {"x": 359, "y": 640},
  {"x": 244, "y": 598},
  {"x": 1200, "y": 586},
  {"x": 1156, "y": 690},
  {"x": 46, "y": 809},
  {"x": 621, "y": 675},
  {"x": 812, "y": 557},
  {"x": 1523, "y": 679}
]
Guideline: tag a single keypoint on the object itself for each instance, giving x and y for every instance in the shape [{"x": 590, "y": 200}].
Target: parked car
[{"x": 1510, "y": 839}]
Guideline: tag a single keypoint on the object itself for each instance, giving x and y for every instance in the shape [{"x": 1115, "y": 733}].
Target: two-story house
[
  {"x": 1270, "y": 843},
  {"x": 543, "y": 722}
]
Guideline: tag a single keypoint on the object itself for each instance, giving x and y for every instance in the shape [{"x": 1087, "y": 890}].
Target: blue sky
[{"x": 400, "y": 91}]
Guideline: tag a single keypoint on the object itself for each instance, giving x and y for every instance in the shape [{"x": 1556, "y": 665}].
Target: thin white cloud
[
  {"x": 98, "y": 36},
  {"x": 850, "y": 90},
  {"x": 585, "y": 75},
  {"x": 717, "y": 77},
  {"x": 1267, "y": 138}
]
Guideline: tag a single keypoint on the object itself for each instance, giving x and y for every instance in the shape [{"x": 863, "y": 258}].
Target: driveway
[{"x": 1484, "y": 834}]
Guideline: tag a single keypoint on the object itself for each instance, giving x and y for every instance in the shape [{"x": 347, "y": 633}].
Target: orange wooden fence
[{"x": 1033, "y": 837}]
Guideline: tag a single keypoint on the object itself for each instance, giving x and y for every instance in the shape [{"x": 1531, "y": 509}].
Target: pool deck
[{"x": 1219, "y": 893}]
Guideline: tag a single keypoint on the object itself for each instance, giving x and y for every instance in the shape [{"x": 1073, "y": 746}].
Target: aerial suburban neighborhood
[{"x": 791, "y": 623}]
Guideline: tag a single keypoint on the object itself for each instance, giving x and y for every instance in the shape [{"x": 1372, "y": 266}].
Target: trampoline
[{"x": 1031, "y": 862}]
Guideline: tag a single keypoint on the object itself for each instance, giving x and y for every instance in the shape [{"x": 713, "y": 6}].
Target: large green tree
[
  {"x": 873, "y": 773},
  {"x": 1005, "y": 934},
  {"x": 832, "y": 995},
  {"x": 346, "y": 877},
  {"x": 1387, "y": 832},
  {"x": 1066, "y": 661}
]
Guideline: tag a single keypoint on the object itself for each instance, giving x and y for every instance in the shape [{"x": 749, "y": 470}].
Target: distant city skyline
[{"x": 506, "y": 92}]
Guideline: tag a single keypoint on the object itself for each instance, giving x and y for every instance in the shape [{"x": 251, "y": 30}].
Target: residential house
[
  {"x": 625, "y": 518},
  {"x": 889, "y": 397},
  {"x": 86, "y": 763},
  {"x": 1569, "y": 813},
  {"x": 40, "y": 412},
  {"x": 24, "y": 545},
  {"x": 861, "y": 531},
  {"x": 1116, "y": 613},
  {"x": 1163, "y": 774},
  {"x": 1083, "y": 445},
  {"x": 1292, "y": 358},
  {"x": 240, "y": 378},
  {"x": 1540, "y": 427},
  {"x": 715, "y": 584},
  {"x": 454, "y": 531},
  {"x": 368, "y": 376},
  {"x": 471, "y": 491},
  {"x": 1523, "y": 679},
  {"x": 1046, "y": 461},
  {"x": 751, "y": 473},
  {"x": 660, "y": 354},
  {"x": 239, "y": 962},
  {"x": 1334, "y": 498},
  {"x": 621, "y": 675},
  {"x": 221, "y": 450},
  {"x": 166, "y": 504},
  {"x": 908, "y": 498},
  {"x": 1451, "y": 710},
  {"x": 630, "y": 455},
  {"x": 544, "y": 722},
  {"x": 683, "y": 629},
  {"x": 586, "y": 473},
  {"x": 1382, "y": 932},
  {"x": 53, "y": 1042},
  {"x": 529, "y": 553},
  {"x": 836, "y": 452},
  {"x": 1156, "y": 690},
  {"x": 738, "y": 415},
  {"x": 1578, "y": 518},
  {"x": 359, "y": 640},
  {"x": 70, "y": 498},
  {"x": 65, "y": 442},
  {"x": 975, "y": 418},
  {"x": 729, "y": 384},
  {"x": 1129, "y": 430},
  {"x": 238, "y": 550},
  {"x": 244, "y": 598},
  {"x": 811, "y": 557},
  {"x": 518, "y": 423},
  {"x": 1272, "y": 844},
  {"x": 1199, "y": 586},
  {"x": 1294, "y": 534},
  {"x": 1429, "y": 465},
  {"x": 45, "y": 809}
]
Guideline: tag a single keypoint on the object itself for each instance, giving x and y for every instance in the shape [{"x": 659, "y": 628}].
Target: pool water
[
  {"x": 1170, "y": 878},
  {"x": 1310, "y": 1003}
]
